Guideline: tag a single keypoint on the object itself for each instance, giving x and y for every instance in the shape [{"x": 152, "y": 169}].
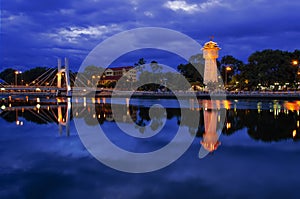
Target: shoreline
[
  {"x": 166, "y": 95},
  {"x": 203, "y": 95}
]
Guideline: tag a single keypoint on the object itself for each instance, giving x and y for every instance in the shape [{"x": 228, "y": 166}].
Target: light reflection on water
[{"x": 257, "y": 154}]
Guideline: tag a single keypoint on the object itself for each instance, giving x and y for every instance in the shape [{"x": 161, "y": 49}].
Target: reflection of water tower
[
  {"x": 210, "y": 54},
  {"x": 210, "y": 140}
]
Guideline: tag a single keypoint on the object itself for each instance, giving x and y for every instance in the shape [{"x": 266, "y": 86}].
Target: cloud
[
  {"x": 192, "y": 7},
  {"x": 74, "y": 33},
  {"x": 181, "y": 5},
  {"x": 210, "y": 4},
  {"x": 148, "y": 14}
]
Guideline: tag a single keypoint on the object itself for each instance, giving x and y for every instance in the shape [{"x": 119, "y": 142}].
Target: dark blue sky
[{"x": 35, "y": 32}]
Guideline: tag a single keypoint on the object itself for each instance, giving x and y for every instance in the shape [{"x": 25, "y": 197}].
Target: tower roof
[
  {"x": 210, "y": 147},
  {"x": 211, "y": 45}
]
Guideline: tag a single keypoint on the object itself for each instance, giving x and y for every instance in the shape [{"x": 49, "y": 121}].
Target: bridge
[{"x": 52, "y": 83}]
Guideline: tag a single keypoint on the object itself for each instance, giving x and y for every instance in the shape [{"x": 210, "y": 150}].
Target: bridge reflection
[{"x": 36, "y": 110}]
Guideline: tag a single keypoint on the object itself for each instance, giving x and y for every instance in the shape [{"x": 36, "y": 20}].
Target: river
[{"x": 251, "y": 148}]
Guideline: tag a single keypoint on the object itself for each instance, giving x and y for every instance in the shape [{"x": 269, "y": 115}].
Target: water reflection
[
  {"x": 271, "y": 121},
  {"x": 39, "y": 165},
  {"x": 40, "y": 112},
  {"x": 264, "y": 120},
  {"x": 210, "y": 140}
]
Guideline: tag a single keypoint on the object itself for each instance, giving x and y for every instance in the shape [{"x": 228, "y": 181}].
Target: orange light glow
[
  {"x": 228, "y": 68},
  {"x": 292, "y": 106},
  {"x": 295, "y": 62},
  {"x": 294, "y": 133},
  {"x": 226, "y": 104},
  {"x": 228, "y": 125}
]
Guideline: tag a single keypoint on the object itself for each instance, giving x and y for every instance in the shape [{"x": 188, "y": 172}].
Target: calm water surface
[{"x": 258, "y": 155}]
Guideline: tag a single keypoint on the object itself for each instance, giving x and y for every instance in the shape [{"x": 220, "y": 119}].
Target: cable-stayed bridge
[{"x": 53, "y": 82}]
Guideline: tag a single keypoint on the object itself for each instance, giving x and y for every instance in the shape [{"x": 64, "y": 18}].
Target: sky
[{"x": 36, "y": 33}]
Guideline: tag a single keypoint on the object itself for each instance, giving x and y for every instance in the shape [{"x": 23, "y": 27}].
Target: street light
[
  {"x": 296, "y": 63},
  {"x": 93, "y": 79},
  {"x": 16, "y": 77},
  {"x": 227, "y": 69}
]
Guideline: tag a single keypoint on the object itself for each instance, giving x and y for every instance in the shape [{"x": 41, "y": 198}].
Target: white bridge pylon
[{"x": 60, "y": 75}]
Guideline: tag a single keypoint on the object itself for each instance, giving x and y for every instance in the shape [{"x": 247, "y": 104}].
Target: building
[
  {"x": 210, "y": 54},
  {"x": 112, "y": 75}
]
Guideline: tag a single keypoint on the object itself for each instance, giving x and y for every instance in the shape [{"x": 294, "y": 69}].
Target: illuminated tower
[{"x": 210, "y": 54}]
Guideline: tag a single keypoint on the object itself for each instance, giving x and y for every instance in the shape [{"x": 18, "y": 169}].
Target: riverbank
[
  {"x": 164, "y": 95},
  {"x": 204, "y": 95}
]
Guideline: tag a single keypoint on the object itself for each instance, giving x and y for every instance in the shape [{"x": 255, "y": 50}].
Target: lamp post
[
  {"x": 227, "y": 69},
  {"x": 93, "y": 81},
  {"x": 296, "y": 64},
  {"x": 16, "y": 77}
]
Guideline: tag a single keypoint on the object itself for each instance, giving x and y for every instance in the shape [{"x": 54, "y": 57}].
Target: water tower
[{"x": 210, "y": 54}]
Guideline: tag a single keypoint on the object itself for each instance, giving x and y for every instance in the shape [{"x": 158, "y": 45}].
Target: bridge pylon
[{"x": 60, "y": 72}]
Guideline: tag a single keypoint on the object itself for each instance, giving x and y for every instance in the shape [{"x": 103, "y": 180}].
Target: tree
[
  {"x": 90, "y": 75},
  {"x": 8, "y": 75},
  {"x": 26, "y": 77},
  {"x": 234, "y": 64},
  {"x": 268, "y": 67},
  {"x": 32, "y": 74},
  {"x": 93, "y": 70},
  {"x": 155, "y": 67},
  {"x": 140, "y": 65},
  {"x": 193, "y": 70}
]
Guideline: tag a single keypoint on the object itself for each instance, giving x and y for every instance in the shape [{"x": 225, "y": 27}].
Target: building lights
[{"x": 228, "y": 125}]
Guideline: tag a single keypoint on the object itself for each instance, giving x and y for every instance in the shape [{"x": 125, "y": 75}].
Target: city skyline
[{"x": 37, "y": 33}]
